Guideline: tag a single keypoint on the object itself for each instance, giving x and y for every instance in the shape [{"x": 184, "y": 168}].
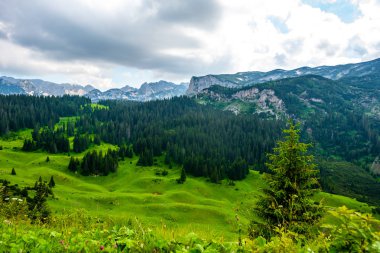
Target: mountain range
[
  {"x": 37, "y": 87},
  {"x": 147, "y": 91},
  {"x": 364, "y": 75}
]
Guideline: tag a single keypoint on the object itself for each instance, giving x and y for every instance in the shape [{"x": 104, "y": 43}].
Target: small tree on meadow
[
  {"x": 182, "y": 178},
  {"x": 287, "y": 201},
  {"x": 51, "y": 182},
  {"x": 13, "y": 172}
]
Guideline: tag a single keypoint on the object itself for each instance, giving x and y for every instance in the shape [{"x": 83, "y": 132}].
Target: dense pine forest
[
  {"x": 206, "y": 141},
  {"x": 18, "y": 112}
]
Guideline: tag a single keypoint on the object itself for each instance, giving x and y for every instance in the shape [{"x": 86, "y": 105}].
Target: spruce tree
[
  {"x": 37, "y": 206},
  {"x": 287, "y": 201},
  {"x": 13, "y": 172},
  {"x": 182, "y": 179},
  {"x": 51, "y": 182}
]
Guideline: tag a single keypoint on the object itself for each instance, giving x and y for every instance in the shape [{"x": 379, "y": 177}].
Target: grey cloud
[
  {"x": 327, "y": 48},
  {"x": 293, "y": 46},
  {"x": 77, "y": 33},
  {"x": 281, "y": 59},
  {"x": 3, "y": 35},
  {"x": 200, "y": 12},
  {"x": 356, "y": 48}
]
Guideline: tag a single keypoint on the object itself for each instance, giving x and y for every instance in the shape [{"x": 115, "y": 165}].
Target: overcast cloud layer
[{"x": 117, "y": 42}]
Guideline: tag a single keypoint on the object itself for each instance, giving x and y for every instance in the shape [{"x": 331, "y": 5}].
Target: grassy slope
[{"x": 135, "y": 192}]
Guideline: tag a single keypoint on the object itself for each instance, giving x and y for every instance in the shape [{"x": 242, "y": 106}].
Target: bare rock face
[
  {"x": 265, "y": 100},
  {"x": 197, "y": 84},
  {"x": 246, "y": 94}
]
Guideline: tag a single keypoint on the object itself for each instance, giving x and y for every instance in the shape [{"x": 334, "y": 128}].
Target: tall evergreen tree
[{"x": 287, "y": 201}]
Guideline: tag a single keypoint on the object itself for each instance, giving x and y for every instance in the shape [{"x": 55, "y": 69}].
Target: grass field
[{"x": 159, "y": 202}]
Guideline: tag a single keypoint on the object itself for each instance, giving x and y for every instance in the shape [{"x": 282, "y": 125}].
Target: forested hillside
[
  {"x": 209, "y": 142},
  {"x": 20, "y": 111},
  {"x": 341, "y": 118}
]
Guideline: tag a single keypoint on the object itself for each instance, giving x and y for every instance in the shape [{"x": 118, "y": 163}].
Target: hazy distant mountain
[
  {"x": 147, "y": 91},
  {"x": 360, "y": 71},
  {"x": 10, "y": 85}
]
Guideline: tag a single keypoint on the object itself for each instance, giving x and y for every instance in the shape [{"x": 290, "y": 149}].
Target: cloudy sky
[{"x": 117, "y": 42}]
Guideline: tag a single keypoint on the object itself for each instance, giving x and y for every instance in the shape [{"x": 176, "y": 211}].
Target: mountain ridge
[
  {"x": 363, "y": 74},
  {"x": 147, "y": 91},
  {"x": 241, "y": 79}
]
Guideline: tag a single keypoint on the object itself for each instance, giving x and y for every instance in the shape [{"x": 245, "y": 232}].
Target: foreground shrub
[{"x": 356, "y": 232}]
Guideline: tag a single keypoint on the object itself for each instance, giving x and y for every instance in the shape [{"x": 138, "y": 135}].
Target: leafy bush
[{"x": 355, "y": 232}]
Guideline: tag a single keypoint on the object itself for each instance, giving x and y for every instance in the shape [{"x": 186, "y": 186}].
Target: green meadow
[{"x": 158, "y": 202}]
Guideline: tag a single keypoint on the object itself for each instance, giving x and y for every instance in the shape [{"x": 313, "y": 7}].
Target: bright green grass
[
  {"x": 64, "y": 120},
  {"x": 136, "y": 192},
  {"x": 99, "y": 106}
]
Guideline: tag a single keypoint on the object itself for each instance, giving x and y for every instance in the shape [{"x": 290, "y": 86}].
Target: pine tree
[
  {"x": 13, "y": 172},
  {"x": 73, "y": 165},
  {"x": 51, "y": 182},
  {"x": 287, "y": 201},
  {"x": 47, "y": 159},
  {"x": 182, "y": 179},
  {"x": 38, "y": 207}
]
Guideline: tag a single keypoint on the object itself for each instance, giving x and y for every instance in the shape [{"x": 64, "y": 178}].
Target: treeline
[
  {"x": 20, "y": 111},
  {"x": 52, "y": 141},
  {"x": 95, "y": 163},
  {"x": 206, "y": 140}
]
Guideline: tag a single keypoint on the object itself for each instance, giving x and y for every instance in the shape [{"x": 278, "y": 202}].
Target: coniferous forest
[{"x": 205, "y": 141}]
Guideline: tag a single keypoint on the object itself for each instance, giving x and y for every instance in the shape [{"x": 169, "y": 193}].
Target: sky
[{"x": 115, "y": 43}]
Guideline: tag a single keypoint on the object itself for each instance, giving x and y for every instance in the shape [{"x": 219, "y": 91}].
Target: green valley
[
  {"x": 198, "y": 206},
  {"x": 215, "y": 201}
]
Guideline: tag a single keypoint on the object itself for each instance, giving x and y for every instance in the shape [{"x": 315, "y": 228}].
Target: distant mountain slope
[
  {"x": 147, "y": 92},
  {"x": 359, "y": 71},
  {"x": 10, "y": 85},
  {"x": 36, "y": 87},
  {"x": 300, "y": 96},
  {"x": 341, "y": 118},
  {"x": 345, "y": 113}
]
